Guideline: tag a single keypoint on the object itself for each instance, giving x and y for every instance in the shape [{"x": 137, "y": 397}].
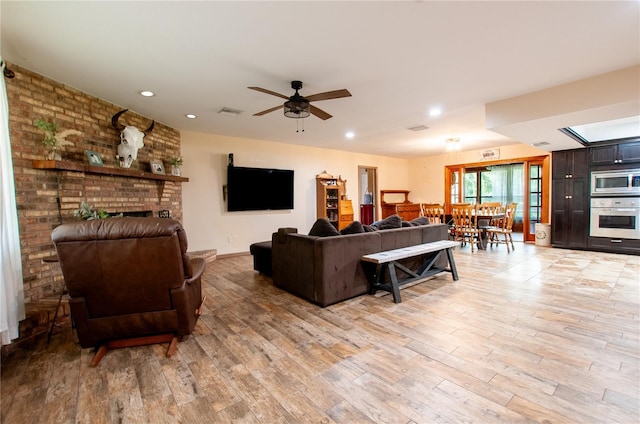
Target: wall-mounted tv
[{"x": 256, "y": 189}]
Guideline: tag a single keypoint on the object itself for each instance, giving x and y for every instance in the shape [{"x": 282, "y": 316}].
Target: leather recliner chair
[{"x": 130, "y": 281}]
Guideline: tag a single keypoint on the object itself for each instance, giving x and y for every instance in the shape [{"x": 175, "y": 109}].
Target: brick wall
[{"x": 47, "y": 198}]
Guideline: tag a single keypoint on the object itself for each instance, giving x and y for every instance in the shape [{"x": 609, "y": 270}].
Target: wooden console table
[{"x": 388, "y": 260}]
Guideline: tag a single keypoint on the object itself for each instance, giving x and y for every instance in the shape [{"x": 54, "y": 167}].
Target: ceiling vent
[
  {"x": 229, "y": 112},
  {"x": 418, "y": 128},
  {"x": 542, "y": 143}
]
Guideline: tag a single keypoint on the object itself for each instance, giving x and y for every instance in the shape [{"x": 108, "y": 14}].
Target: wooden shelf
[{"x": 64, "y": 165}]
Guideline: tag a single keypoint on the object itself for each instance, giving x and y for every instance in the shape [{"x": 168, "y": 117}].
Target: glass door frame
[{"x": 544, "y": 161}]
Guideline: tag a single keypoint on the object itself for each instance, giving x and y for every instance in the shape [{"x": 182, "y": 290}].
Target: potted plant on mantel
[
  {"x": 176, "y": 166},
  {"x": 53, "y": 140}
]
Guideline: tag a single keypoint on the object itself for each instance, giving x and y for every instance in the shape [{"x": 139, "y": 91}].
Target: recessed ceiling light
[
  {"x": 350, "y": 134},
  {"x": 147, "y": 93},
  {"x": 435, "y": 111},
  {"x": 191, "y": 116}
]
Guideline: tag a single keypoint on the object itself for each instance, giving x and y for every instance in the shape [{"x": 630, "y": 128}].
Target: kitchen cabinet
[
  {"x": 615, "y": 154},
  {"x": 570, "y": 199},
  {"x": 567, "y": 164},
  {"x": 617, "y": 245}
]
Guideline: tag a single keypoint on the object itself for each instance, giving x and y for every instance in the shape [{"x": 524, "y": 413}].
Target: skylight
[{"x": 617, "y": 129}]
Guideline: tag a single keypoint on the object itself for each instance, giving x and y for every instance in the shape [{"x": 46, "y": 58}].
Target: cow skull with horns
[{"x": 131, "y": 139}]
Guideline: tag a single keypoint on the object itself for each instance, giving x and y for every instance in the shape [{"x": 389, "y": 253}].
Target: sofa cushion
[
  {"x": 393, "y": 221},
  {"x": 354, "y": 228},
  {"x": 421, "y": 220},
  {"x": 323, "y": 228}
]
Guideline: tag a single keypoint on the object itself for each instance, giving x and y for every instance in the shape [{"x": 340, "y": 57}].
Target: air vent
[
  {"x": 229, "y": 112},
  {"x": 542, "y": 143},
  {"x": 418, "y": 128}
]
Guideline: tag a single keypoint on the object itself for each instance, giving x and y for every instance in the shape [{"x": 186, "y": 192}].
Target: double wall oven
[{"x": 615, "y": 204}]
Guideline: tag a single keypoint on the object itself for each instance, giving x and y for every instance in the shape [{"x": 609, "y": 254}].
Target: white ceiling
[{"x": 398, "y": 60}]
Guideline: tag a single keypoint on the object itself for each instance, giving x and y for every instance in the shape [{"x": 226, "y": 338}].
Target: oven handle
[{"x": 628, "y": 211}]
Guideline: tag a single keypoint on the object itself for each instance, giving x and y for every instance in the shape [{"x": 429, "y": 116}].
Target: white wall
[
  {"x": 210, "y": 226},
  {"x": 426, "y": 174}
]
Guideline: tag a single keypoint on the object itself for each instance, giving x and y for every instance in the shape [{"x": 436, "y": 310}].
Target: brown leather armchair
[{"x": 130, "y": 281}]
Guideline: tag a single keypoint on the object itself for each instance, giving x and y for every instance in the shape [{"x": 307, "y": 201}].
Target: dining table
[{"x": 484, "y": 222}]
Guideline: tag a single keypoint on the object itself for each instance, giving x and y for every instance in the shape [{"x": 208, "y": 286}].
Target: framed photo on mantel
[
  {"x": 94, "y": 158},
  {"x": 157, "y": 167}
]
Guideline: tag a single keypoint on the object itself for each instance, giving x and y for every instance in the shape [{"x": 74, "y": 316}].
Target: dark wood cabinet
[
  {"x": 568, "y": 164},
  {"x": 615, "y": 154},
  {"x": 629, "y": 152},
  {"x": 570, "y": 199},
  {"x": 570, "y": 213},
  {"x": 617, "y": 245}
]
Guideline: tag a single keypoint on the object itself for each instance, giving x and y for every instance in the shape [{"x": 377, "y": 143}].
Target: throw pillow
[
  {"x": 323, "y": 228},
  {"x": 354, "y": 228},
  {"x": 421, "y": 220},
  {"x": 369, "y": 228},
  {"x": 393, "y": 221},
  {"x": 406, "y": 224}
]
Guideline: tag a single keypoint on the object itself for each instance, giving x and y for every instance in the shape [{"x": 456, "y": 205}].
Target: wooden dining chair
[
  {"x": 495, "y": 210},
  {"x": 434, "y": 212},
  {"x": 465, "y": 226},
  {"x": 505, "y": 229}
]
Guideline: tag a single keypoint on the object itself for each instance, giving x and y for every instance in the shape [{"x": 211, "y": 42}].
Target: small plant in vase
[
  {"x": 54, "y": 139},
  {"x": 176, "y": 166},
  {"x": 85, "y": 211}
]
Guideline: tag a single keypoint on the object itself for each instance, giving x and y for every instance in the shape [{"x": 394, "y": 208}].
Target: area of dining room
[{"x": 524, "y": 181}]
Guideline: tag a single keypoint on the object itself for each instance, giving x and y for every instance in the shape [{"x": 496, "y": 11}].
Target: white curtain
[
  {"x": 507, "y": 184},
  {"x": 11, "y": 287}
]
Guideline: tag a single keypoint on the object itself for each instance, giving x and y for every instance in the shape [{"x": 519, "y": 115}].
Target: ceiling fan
[{"x": 298, "y": 106}]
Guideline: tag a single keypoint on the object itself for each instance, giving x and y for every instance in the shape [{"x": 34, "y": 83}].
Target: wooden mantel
[{"x": 64, "y": 165}]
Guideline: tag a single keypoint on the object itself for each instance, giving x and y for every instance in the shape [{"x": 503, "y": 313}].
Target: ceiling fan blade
[
  {"x": 335, "y": 94},
  {"x": 264, "y": 112},
  {"x": 273, "y": 93},
  {"x": 319, "y": 113}
]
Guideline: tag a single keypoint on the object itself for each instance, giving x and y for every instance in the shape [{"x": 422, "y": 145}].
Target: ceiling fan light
[{"x": 296, "y": 109}]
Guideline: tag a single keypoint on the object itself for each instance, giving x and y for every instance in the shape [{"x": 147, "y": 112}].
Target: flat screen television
[{"x": 256, "y": 189}]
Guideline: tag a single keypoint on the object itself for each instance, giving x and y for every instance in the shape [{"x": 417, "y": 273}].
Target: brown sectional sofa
[{"x": 327, "y": 270}]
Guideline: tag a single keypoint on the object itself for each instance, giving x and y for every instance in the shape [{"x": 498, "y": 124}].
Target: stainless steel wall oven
[{"x": 616, "y": 217}]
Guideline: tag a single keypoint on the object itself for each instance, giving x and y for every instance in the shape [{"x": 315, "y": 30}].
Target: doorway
[
  {"x": 523, "y": 180},
  {"x": 367, "y": 188}
]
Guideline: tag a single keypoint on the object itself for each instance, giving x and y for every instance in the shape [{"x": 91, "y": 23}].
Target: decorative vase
[
  {"x": 176, "y": 170},
  {"x": 53, "y": 153}
]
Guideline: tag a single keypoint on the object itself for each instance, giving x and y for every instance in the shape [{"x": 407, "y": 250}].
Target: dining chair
[
  {"x": 434, "y": 212},
  {"x": 505, "y": 229},
  {"x": 450, "y": 219},
  {"x": 493, "y": 210},
  {"x": 465, "y": 226}
]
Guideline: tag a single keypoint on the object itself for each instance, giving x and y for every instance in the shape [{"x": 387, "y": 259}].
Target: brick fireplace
[{"x": 48, "y": 195}]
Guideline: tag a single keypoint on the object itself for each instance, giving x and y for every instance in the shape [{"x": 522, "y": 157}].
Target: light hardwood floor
[{"x": 537, "y": 335}]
